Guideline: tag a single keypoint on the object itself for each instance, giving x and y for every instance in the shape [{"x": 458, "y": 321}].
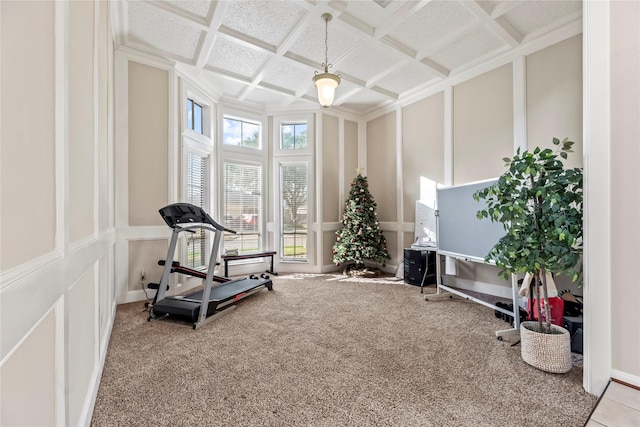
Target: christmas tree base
[{"x": 360, "y": 271}]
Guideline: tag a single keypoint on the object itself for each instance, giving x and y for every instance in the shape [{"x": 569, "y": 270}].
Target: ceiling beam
[
  {"x": 399, "y": 17},
  {"x": 499, "y": 26},
  {"x": 217, "y": 12}
]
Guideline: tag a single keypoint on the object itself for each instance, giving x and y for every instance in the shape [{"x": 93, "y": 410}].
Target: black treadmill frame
[{"x": 185, "y": 217}]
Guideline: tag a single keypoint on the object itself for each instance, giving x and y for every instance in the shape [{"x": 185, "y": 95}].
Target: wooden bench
[{"x": 227, "y": 258}]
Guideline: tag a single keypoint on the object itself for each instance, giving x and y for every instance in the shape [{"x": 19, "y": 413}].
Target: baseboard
[
  {"x": 624, "y": 377},
  {"x": 136, "y": 296}
]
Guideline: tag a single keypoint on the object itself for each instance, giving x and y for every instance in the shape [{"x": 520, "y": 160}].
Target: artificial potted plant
[{"x": 539, "y": 202}]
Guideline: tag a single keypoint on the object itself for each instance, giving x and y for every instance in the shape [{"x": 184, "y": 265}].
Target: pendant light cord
[{"x": 326, "y": 44}]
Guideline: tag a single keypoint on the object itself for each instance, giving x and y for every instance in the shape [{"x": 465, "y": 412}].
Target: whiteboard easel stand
[{"x": 448, "y": 291}]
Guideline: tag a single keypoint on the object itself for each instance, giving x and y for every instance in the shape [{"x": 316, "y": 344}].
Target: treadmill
[{"x": 206, "y": 305}]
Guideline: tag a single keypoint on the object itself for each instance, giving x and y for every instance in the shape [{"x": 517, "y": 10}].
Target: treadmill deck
[{"x": 187, "y": 307}]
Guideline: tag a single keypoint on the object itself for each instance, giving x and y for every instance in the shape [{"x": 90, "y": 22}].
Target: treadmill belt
[{"x": 224, "y": 291}]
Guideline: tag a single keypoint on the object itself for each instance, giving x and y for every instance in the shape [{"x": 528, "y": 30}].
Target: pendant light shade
[{"x": 326, "y": 83}]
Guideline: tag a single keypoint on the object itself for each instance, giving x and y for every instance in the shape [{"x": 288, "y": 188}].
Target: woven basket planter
[{"x": 547, "y": 352}]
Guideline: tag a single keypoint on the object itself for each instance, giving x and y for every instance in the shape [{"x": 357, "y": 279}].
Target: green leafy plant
[{"x": 539, "y": 202}]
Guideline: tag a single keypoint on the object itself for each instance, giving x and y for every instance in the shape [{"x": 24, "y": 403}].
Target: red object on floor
[{"x": 557, "y": 310}]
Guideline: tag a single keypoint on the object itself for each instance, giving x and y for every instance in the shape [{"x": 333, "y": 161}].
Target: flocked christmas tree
[{"x": 359, "y": 237}]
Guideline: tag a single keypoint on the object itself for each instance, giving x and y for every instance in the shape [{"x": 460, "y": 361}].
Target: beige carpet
[{"x": 323, "y": 350}]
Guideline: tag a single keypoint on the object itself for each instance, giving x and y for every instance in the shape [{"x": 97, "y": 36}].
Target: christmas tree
[{"x": 359, "y": 237}]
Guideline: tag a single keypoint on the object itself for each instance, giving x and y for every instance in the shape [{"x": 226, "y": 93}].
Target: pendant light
[{"x": 326, "y": 82}]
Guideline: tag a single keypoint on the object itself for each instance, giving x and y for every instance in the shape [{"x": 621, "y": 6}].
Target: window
[
  {"x": 293, "y": 155},
  {"x": 197, "y": 189},
  {"x": 241, "y": 133},
  {"x": 194, "y": 116},
  {"x": 294, "y": 208},
  {"x": 242, "y": 206},
  {"x": 293, "y": 136},
  {"x": 195, "y": 169}
]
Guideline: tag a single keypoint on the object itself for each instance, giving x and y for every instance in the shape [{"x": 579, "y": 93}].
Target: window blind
[
  {"x": 196, "y": 195},
  {"x": 242, "y": 206}
]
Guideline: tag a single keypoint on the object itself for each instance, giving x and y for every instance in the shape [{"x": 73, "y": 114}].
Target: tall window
[
  {"x": 242, "y": 206},
  {"x": 294, "y": 209},
  {"x": 194, "y": 116},
  {"x": 196, "y": 180},
  {"x": 197, "y": 150},
  {"x": 241, "y": 133},
  {"x": 293, "y": 136}
]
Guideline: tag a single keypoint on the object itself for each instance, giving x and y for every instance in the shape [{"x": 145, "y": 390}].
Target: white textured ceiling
[{"x": 265, "y": 52}]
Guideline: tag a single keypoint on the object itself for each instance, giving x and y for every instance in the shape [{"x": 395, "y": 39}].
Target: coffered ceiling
[{"x": 265, "y": 52}]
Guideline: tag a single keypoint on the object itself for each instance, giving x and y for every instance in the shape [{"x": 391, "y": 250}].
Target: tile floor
[{"x": 618, "y": 407}]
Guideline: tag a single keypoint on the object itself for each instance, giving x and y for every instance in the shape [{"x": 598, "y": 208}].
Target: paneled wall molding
[
  {"x": 362, "y": 145},
  {"x": 407, "y": 227},
  {"x": 341, "y": 172},
  {"x": 399, "y": 185},
  {"x": 520, "y": 103},
  {"x": 61, "y": 112},
  {"x": 144, "y": 232},
  {"x": 96, "y": 119},
  {"x": 116, "y": 11},
  {"x": 60, "y": 363},
  {"x": 121, "y": 270},
  {"x": 82, "y": 243},
  {"x": 15, "y": 274},
  {"x": 329, "y": 226},
  {"x": 341, "y": 115},
  {"x": 95, "y": 380},
  {"x": 390, "y": 225},
  {"x": 55, "y": 306},
  {"x": 35, "y": 293},
  {"x": 597, "y": 203},
  {"x": 48, "y": 282},
  {"x": 457, "y": 77},
  {"x": 314, "y": 226},
  {"x": 121, "y": 159},
  {"x": 316, "y": 223},
  {"x": 122, "y": 59},
  {"x": 144, "y": 58},
  {"x": 448, "y": 135},
  {"x": 175, "y": 137}
]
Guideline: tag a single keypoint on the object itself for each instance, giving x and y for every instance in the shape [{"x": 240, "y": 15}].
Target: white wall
[
  {"x": 57, "y": 290},
  {"x": 57, "y": 301},
  {"x": 625, "y": 193},
  {"x": 146, "y": 159}
]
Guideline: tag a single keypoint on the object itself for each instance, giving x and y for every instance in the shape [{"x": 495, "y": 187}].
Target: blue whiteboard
[{"x": 460, "y": 233}]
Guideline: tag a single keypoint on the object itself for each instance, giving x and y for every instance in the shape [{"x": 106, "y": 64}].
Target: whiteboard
[{"x": 460, "y": 233}]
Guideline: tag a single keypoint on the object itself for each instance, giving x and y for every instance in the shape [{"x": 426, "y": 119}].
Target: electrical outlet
[{"x": 141, "y": 274}]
